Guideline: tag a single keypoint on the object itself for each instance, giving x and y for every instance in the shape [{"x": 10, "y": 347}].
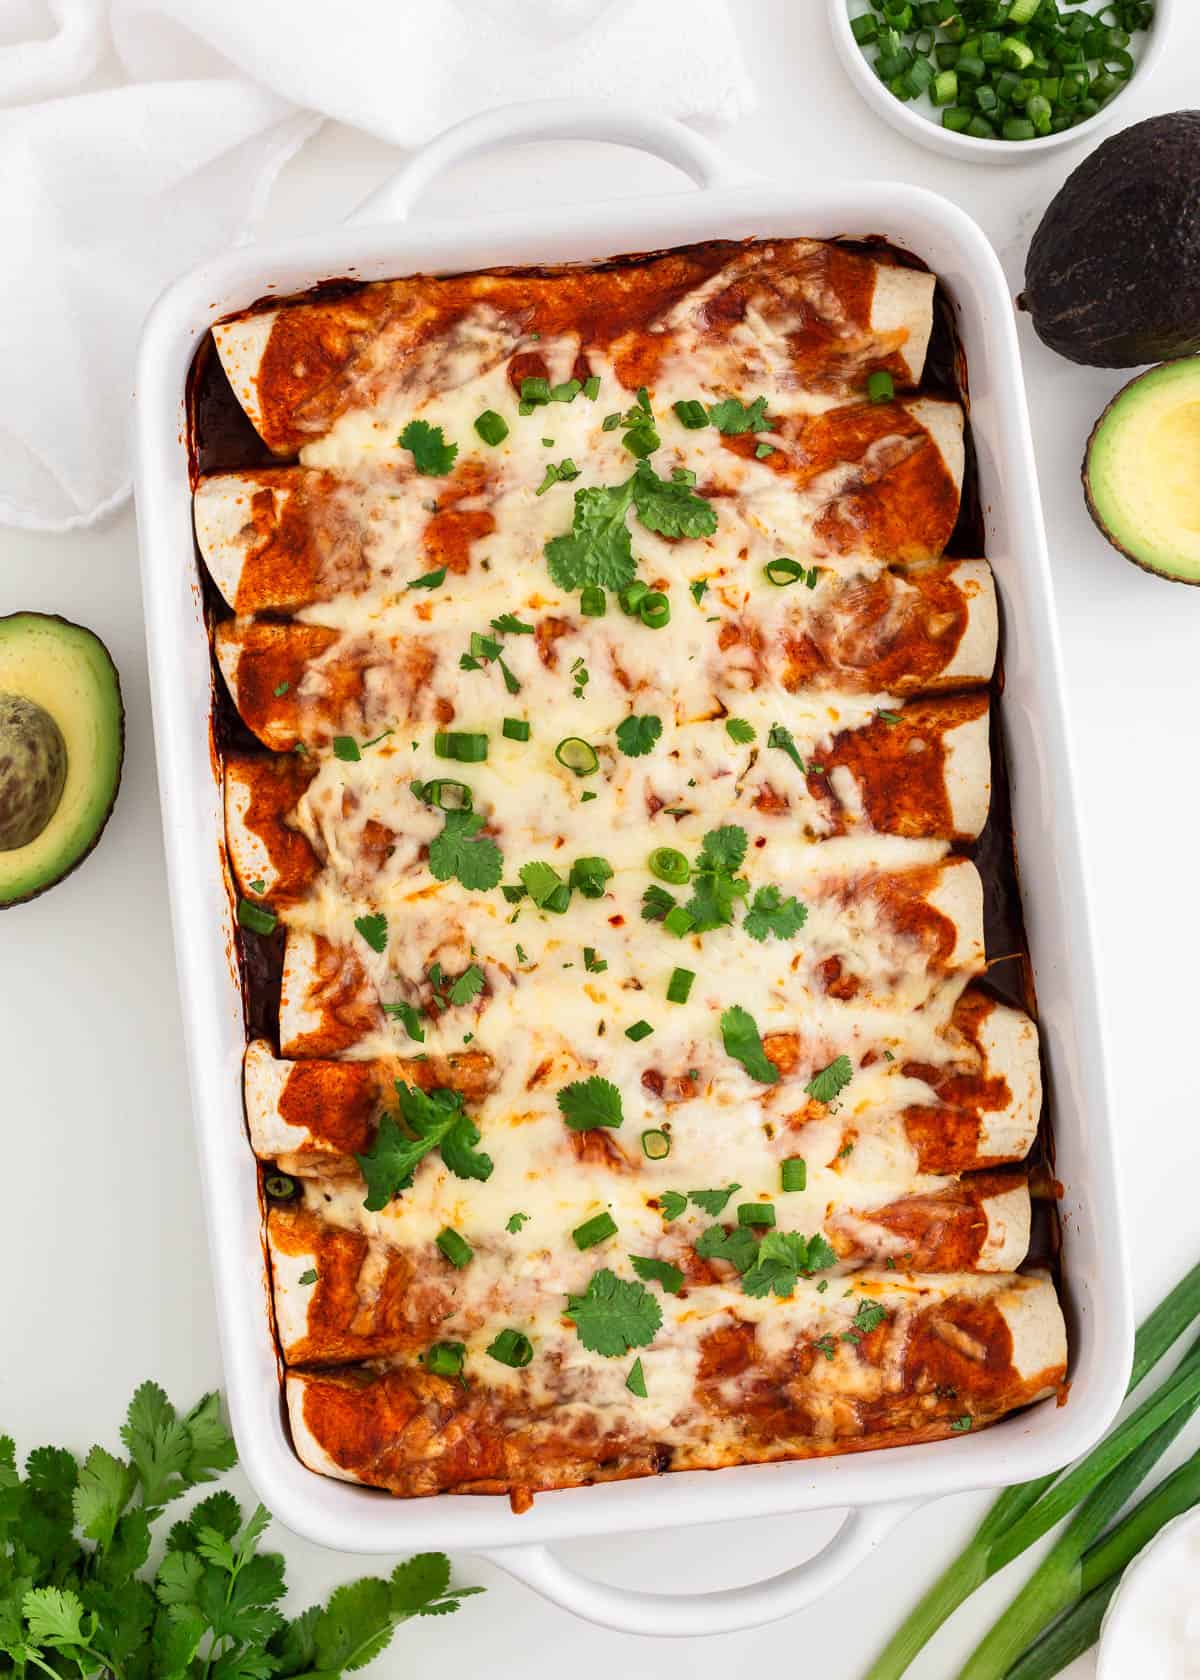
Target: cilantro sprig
[
  {"x": 588, "y": 1103},
  {"x": 435, "y": 1120}
]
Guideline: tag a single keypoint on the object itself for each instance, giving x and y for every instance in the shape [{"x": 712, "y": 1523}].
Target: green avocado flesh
[
  {"x": 1142, "y": 472},
  {"x": 62, "y": 741}
]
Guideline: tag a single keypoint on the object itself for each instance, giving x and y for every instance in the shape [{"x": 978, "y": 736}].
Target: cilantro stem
[{"x": 1022, "y": 1514}]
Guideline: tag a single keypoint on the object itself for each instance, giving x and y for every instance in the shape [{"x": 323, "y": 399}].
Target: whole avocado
[{"x": 1113, "y": 273}]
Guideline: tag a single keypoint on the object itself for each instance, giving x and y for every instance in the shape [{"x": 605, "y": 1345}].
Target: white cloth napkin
[{"x": 139, "y": 136}]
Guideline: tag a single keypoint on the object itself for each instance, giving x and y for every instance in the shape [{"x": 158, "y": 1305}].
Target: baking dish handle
[
  {"x": 688, "y": 1615},
  {"x": 550, "y": 119}
]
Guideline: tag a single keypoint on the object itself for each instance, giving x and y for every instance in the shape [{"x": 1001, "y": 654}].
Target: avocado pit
[{"x": 33, "y": 770}]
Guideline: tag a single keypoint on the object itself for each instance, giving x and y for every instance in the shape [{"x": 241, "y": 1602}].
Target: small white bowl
[
  {"x": 919, "y": 121},
  {"x": 1174, "y": 1545}
]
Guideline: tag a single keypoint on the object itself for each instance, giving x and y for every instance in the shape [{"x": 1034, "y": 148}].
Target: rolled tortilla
[
  {"x": 793, "y": 1380},
  {"x": 261, "y": 792},
  {"x": 377, "y": 1284},
  {"x": 732, "y": 312},
  {"x": 923, "y": 773},
  {"x": 279, "y": 538}
]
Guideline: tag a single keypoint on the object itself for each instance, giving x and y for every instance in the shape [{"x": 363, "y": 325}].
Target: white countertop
[{"x": 102, "y": 1249}]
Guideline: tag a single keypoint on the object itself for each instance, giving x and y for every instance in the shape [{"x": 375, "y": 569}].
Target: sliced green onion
[
  {"x": 434, "y": 793},
  {"x": 465, "y": 746},
  {"x": 679, "y": 921},
  {"x": 632, "y": 596},
  {"x": 669, "y": 865},
  {"x": 591, "y": 387},
  {"x": 945, "y": 88},
  {"x": 593, "y": 602},
  {"x": 638, "y": 1031},
  {"x": 656, "y": 1144},
  {"x": 595, "y": 1230},
  {"x": 492, "y": 427},
  {"x": 255, "y": 917},
  {"x": 456, "y": 1249},
  {"x": 1018, "y": 128},
  {"x": 535, "y": 390},
  {"x": 577, "y": 755},
  {"x": 445, "y": 1359},
  {"x": 693, "y": 415},
  {"x": 279, "y": 1187},
  {"x": 793, "y": 1173},
  {"x": 515, "y": 729},
  {"x": 654, "y": 610},
  {"x": 567, "y": 391},
  {"x": 864, "y": 29},
  {"x": 881, "y": 387},
  {"x": 783, "y": 571},
  {"x": 512, "y": 1348},
  {"x": 679, "y": 986},
  {"x": 756, "y": 1213}
]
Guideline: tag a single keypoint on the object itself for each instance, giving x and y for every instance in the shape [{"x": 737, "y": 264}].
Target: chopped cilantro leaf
[
  {"x": 456, "y": 854},
  {"x": 672, "y": 1204},
  {"x": 428, "y": 580},
  {"x": 540, "y": 880},
  {"x": 345, "y": 747},
  {"x": 870, "y": 1316},
  {"x": 740, "y": 1035},
  {"x": 658, "y": 1271},
  {"x": 732, "y": 417},
  {"x": 411, "y": 1018},
  {"x": 374, "y": 929},
  {"x": 825, "y": 1345},
  {"x": 784, "y": 1256},
  {"x": 468, "y": 985},
  {"x": 307, "y": 1277},
  {"x": 515, "y": 1222},
  {"x": 770, "y": 912},
  {"x": 825, "y": 1085},
  {"x": 740, "y": 731},
  {"x": 637, "y": 735},
  {"x": 713, "y": 1202},
  {"x": 657, "y": 902},
  {"x": 670, "y": 507},
  {"x": 280, "y": 689},
  {"x": 431, "y": 454},
  {"x": 635, "y": 1382},
  {"x": 598, "y": 549},
  {"x": 778, "y": 736},
  {"x": 961, "y": 1424},
  {"x": 715, "y": 887},
  {"x": 698, "y": 589},
  {"x": 614, "y": 1315},
  {"x": 738, "y": 1247},
  {"x": 508, "y": 624},
  {"x": 588, "y": 1103}
]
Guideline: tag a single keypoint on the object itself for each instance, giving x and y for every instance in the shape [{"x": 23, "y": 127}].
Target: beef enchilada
[{"x": 611, "y": 744}]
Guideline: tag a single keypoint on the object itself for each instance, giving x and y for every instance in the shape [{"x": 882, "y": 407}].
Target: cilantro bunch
[{"x": 77, "y": 1598}]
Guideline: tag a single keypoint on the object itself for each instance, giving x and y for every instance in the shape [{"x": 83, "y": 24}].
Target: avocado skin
[
  {"x": 86, "y": 851},
  {"x": 1093, "y": 507},
  {"x": 1113, "y": 274}
]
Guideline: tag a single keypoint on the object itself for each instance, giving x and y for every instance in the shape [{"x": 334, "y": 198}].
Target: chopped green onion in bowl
[{"x": 1013, "y": 73}]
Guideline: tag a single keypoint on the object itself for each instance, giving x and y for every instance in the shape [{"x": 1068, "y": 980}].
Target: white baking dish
[{"x": 878, "y": 1487}]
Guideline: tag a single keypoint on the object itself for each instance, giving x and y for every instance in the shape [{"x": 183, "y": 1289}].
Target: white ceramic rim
[
  {"x": 915, "y": 125},
  {"x": 1123, "y": 1600},
  {"x": 880, "y": 1487}
]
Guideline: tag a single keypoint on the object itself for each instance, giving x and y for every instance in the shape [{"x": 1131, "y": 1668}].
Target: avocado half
[
  {"x": 1113, "y": 273},
  {"x": 62, "y": 743},
  {"x": 1141, "y": 473}
]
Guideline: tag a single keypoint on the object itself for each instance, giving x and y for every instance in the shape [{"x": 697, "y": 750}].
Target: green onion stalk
[{"x": 1023, "y": 1514}]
